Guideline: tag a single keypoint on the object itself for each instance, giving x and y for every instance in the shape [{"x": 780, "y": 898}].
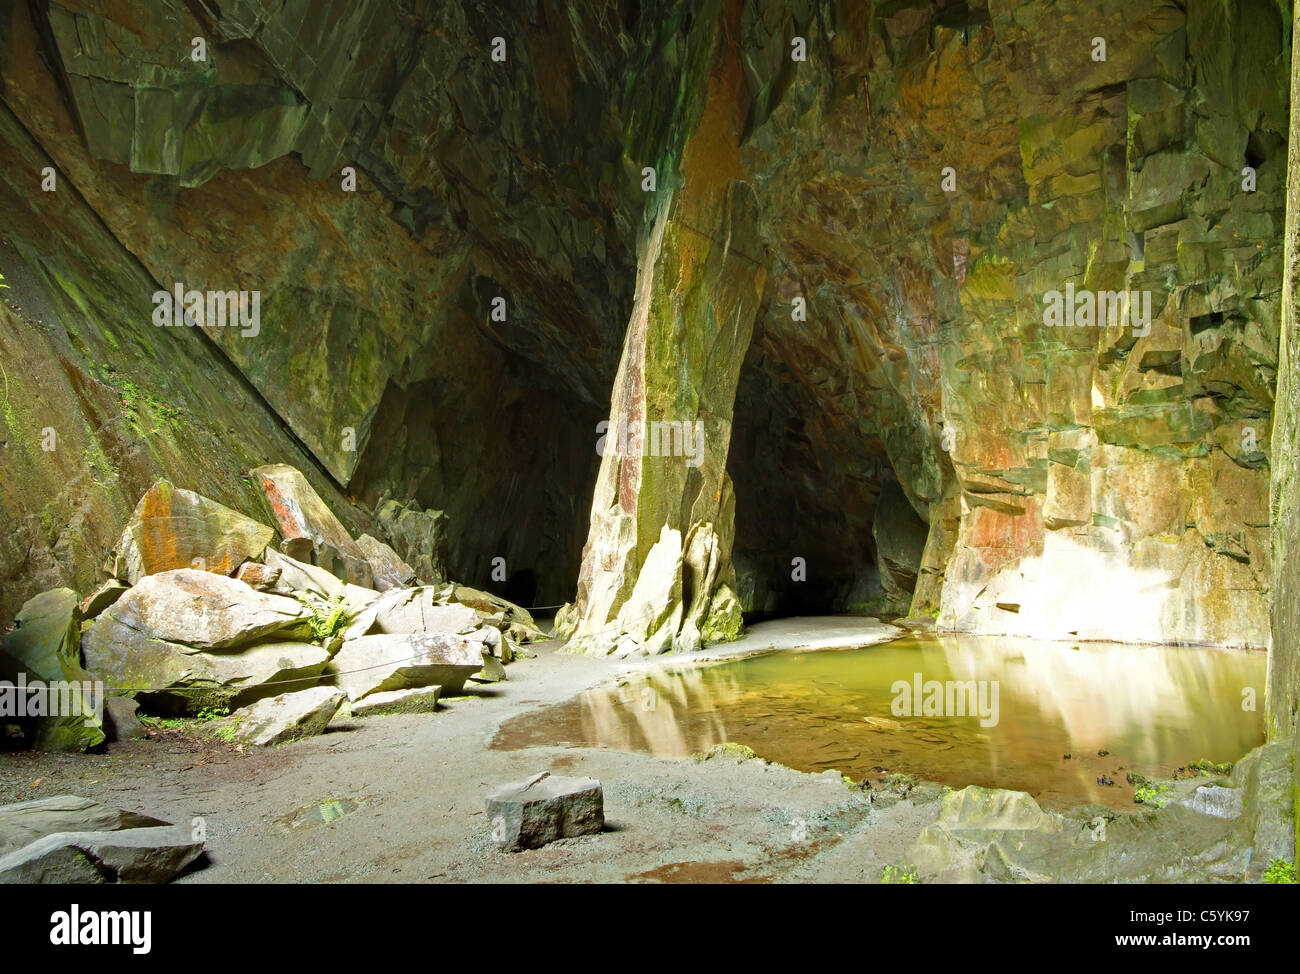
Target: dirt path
[{"x": 419, "y": 784}]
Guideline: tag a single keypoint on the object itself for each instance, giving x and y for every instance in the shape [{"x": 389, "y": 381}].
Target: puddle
[
  {"x": 1113, "y": 708},
  {"x": 319, "y": 813}
]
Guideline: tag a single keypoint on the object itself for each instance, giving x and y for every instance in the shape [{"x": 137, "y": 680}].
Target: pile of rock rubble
[{"x": 206, "y": 613}]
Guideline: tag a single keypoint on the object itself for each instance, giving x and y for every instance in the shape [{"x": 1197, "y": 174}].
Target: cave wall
[
  {"x": 1283, "y": 698},
  {"x": 1126, "y": 471},
  {"x": 378, "y": 346}
]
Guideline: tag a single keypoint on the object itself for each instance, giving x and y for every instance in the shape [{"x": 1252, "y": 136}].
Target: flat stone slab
[
  {"x": 419, "y": 700},
  {"x": 143, "y": 855},
  {"x": 26, "y": 822},
  {"x": 531, "y": 813}
]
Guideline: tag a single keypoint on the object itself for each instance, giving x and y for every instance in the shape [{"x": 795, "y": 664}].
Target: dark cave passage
[{"x": 822, "y": 525}]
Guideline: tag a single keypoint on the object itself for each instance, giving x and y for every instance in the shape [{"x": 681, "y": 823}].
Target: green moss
[
  {"x": 895, "y": 875},
  {"x": 1156, "y": 796},
  {"x": 1209, "y": 769},
  {"x": 739, "y": 752},
  {"x": 1280, "y": 872}
]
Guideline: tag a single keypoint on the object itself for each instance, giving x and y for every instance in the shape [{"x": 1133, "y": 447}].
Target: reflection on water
[{"x": 1152, "y": 709}]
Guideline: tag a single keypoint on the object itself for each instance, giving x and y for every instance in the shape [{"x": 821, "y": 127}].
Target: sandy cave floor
[{"x": 420, "y": 781}]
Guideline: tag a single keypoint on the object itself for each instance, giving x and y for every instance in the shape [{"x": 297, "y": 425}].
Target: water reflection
[{"x": 1151, "y": 709}]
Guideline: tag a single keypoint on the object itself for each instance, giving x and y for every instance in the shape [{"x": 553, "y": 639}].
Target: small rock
[
  {"x": 258, "y": 576},
  {"x": 544, "y": 808},
  {"x": 120, "y": 720}
]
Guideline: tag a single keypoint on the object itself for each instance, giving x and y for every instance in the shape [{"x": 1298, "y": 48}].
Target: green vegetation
[
  {"x": 1209, "y": 769},
  {"x": 136, "y": 399},
  {"x": 329, "y": 620},
  {"x": 739, "y": 752},
  {"x": 1280, "y": 872},
  {"x": 1156, "y": 796},
  {"x": 896, "y": 875}
]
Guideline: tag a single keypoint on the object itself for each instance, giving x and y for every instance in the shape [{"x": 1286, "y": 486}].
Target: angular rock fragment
[
  {"x": 103, "y": 596},
  {"x": 120, "y": 720},
  {"x": 174, "y": 528},
  {"x": 301, "y": 514},
  {"x": 417, "y": 700},
  {"x": 283, "y": 718},
  {"x": 386, "y": 564},
  {"x": 258, "y": 576},
  {"x": 143, "y": 855},
  {"x": 67, "y": 839},
  {"x": 28, "y": 821},
  {"x": 180, "y": 676},
  {"x": 531, "y": 813}
]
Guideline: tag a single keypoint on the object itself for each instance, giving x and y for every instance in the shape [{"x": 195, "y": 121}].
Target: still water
[{"x": 1111, "y": 708}]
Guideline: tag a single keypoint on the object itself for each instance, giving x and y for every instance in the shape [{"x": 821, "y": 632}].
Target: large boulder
[
  {"x": 179, "y": 678},
  {"x": 389, "y": 570},
  {"x": 417, "y": 700},
  {"x": 374, "y": 664},
  {"x": 531, "y": 813},
  {"x": 283, "y": 718},
  {"x": 199, "y": 609},
  {"x": 175, "y": 528},
  {"x": 45, "y": 648},
  {"x": 303, "y": 517}
]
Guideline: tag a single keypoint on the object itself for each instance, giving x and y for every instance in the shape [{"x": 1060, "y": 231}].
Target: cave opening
[{"x": 823, "y": 526}]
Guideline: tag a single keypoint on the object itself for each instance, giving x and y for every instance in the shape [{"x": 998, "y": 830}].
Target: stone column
[{"x": 656, "y": 571}]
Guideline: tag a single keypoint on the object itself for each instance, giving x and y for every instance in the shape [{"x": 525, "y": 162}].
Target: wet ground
[{"x": 1054, "y": 719}]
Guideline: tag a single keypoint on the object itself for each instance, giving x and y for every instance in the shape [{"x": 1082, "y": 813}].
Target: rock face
[
  {"x": 45, "y": 648},
  {"x": 420, "y": 537},
  {"x": 531, "y": 813},
  {"x": 791, "y": 290},
  {"x": 172, "y": 528},
  {"x": 1283, "y": 711}
]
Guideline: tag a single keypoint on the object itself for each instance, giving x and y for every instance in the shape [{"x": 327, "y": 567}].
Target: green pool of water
[{"x": 1112, "y": 708}]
